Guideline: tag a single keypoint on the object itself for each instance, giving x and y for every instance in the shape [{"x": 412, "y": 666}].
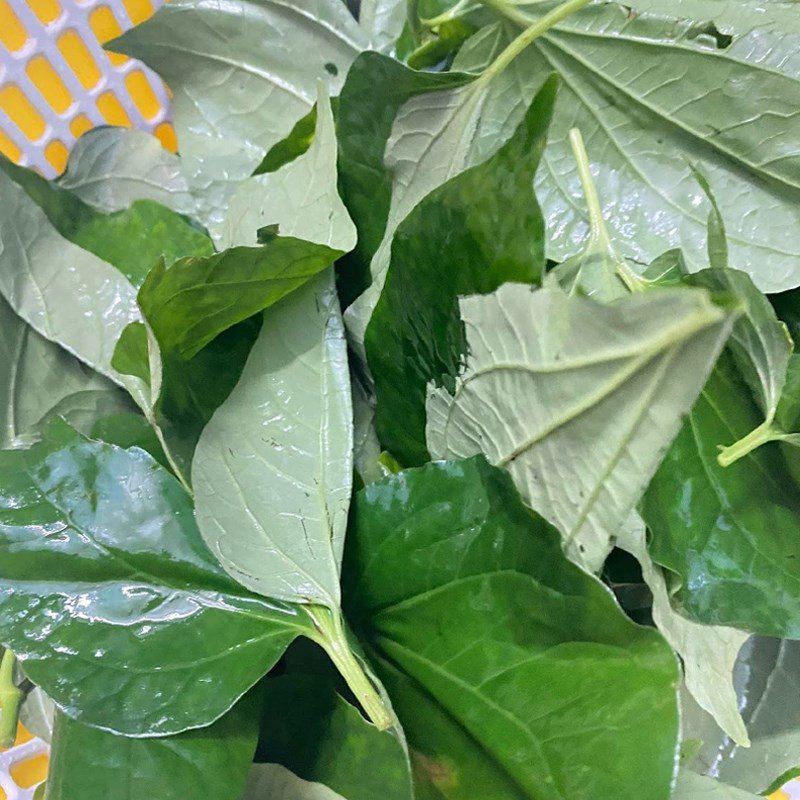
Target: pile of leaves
[{"x": 428, "y": 426}]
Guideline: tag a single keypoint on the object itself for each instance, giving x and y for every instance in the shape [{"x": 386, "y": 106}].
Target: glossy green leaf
[
  {"x": 236, "y": 71},
  {"x": 466, "y": 600},
  {"x": 310, "y": 729},
  {"x": 274, "y": 782},
  {"x": 301, "y": 197},
  {"x": 728, "y": 533},
  {"x": 129, "y": 430},
  {"x": 212, "y": 762},
  {"x": 731, "y": 114},
  {"x": 376, "y": 88},
  {"x": 39, "y": 381},
  {"x": 132, "y": 239},
  {"x": 459, "y": 240},
  {"x": 272, "y": 472},
  {"x": 110, "y": 599},
  {"x": 547, "y": 373},
  {"x": 708, "y": 652}
]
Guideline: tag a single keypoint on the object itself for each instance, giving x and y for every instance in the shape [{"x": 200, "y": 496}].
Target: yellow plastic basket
[{"x": 56, "y": 81}]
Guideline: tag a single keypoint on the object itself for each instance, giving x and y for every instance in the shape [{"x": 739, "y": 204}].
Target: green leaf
[
  {"x": 375, "y": 89},
  {"x": 728, "y": 533},
  {"x": 707, "y": 652},
  {"x": 293, "y": 146},
  {"x": 547, "y": 373},
  {"x": 39, "y": 381},
  {"x": 382, "y": 21},
  {"x": 37, "y": 714},
  {"x": 67, "y": 294},
  {"x": 212, "y": 762},
  {"x": 699, "y": 787},
  {"x": 760, "y": 345},
  {"x": 110, "y": 599},
  {"x": 483, "y": 629},
  {"x": 132, "y": 239},
  {"x": 236, "y": 72},
  {"x": 310, "y": 729},
  {"x": 274, "y": 782},
  {"x": 129, "y": 430},
  {"x": 647, "y": 129},
  {"x": 272, "y": 472},
  {"x": 767, "y": 688},
  {"x": 192, "y": 301},
  {"x": 300, "y": 198},
  {"x": 459, "y": 240},
  {"x": 110, "y": 168}
]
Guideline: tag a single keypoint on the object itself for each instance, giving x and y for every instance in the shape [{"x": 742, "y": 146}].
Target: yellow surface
[
  {"x": 22, "y": 110},
  {"x": 31, "y": 772}
]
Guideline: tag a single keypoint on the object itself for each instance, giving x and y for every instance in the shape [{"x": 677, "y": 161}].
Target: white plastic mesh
[
  {"x": 11, "y": 758},
  {"x": 42, "y": 40}
]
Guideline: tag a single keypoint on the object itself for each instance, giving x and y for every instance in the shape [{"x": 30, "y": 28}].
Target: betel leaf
[
  {"x": 546, "y": 373},
  {"x": 110, "y": 599},
  {"x": 481, "y": 627},
  {"x": 132, "y": 239},
  {"x": 96, "y": 765},
  {"x": 300, "y": 198},
  {"x": 376, "y": 88},
  {"x": 297, "y": 142},
  {"x": 700, "y": 787},
  {"x": 310, "y": 729},
  {"x": 65, "y": 293},
  {"x": 761, "y": 347},
  {"x": 382, "y": 21},
  {"x": 767, "y": 688},
  {"x": 729, "y": 533},
  {"x": 236, "y": 71},
  {"x": 647, "y": 129},
  {"x": 129, "y": 430},
  {"x": 110, "y": 168},
  {"x": 272, "y": 472},
  {"x": 708, "y": 652},
  {"x": 37, "y": 714},
  {"x": 192, "y": 301},
  {"x": 275, "y": 782},
  {"x": 39, "y": 381},
  {"x": 459, "y": 240}
]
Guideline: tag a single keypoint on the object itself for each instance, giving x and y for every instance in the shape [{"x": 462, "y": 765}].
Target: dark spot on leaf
[
  {"x": 709, "y": 34},
  {"x": 332, "y": 69}
]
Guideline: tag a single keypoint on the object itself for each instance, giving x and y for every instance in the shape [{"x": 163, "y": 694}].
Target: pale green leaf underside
[
  {"x": 547, "y": 373},
  {"x": 382, "y": 22},
  {"x": 699, "y": 787},
  {"x": 275, "y": 782},
  {"x": 65, "y": 293},
  {"x": 708, "y": 652},
  {"x": 243, "y": 73},
  {"x": 39, "y": 380},
  {"x": 301, "y": 197},
  {"x": 651, "y": 96},
  {"x": 272, "y": 471}
]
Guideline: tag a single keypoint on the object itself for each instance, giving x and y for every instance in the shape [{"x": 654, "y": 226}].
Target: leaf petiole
[
  {"x": 331, "y": 637},
  {"x": 11, "y": 697},
  {"x": 766, "y": 432}
]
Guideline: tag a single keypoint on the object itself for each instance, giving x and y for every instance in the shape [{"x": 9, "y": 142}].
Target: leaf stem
[
  {"x": 534, "y": 30},
  {"x": 765, "y": 432},
  {"x": 333, "y": 640},
  {"x": 11, "y": 697}
]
